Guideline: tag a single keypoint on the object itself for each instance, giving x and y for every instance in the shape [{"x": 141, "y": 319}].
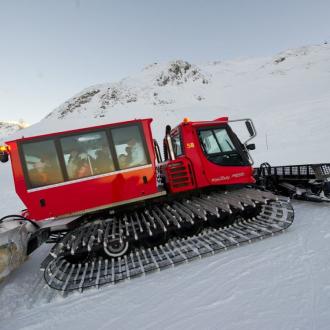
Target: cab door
[{"x": 224, "y": 160}]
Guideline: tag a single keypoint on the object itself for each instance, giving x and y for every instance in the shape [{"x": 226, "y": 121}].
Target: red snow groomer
[{"x": 116, "y": 210}]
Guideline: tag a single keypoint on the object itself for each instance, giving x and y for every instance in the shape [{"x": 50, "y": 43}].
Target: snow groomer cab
[
  {"x": 80, "y": 171},
  {"x": 77, "y": 172}
]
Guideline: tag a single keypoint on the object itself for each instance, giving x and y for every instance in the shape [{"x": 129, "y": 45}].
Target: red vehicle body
[
  {"x": 114, "y": 209},
  {"x": 190, "y": 168},
  {"x": 199, "y": 170}
]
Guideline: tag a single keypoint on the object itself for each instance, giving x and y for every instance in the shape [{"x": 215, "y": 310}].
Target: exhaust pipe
[{"x": 168, "y": 146}]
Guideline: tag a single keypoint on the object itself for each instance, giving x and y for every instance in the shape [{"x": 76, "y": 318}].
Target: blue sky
[{"x": 50, "y": 50}]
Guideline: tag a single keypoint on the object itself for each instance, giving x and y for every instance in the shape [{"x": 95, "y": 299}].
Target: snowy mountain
[
  {"x": 154, "y": 86},
  {"x": 287, "y": 96},
  {"x": 8, "y": 128}
]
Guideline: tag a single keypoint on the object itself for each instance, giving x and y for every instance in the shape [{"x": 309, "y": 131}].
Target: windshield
[{"x": 219, "y": 147}]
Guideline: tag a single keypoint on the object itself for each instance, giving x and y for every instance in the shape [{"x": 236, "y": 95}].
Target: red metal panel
[
  {"x": 189, "y": 171},
  {"x": 206, "y": 172},
  {"x": 179, "y": 175},
  {"x": 91, "y": 193},
  {"x": 85, "y": 194}
]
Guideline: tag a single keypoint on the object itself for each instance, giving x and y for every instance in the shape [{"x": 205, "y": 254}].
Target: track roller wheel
[{"x": 116, "y": 247}]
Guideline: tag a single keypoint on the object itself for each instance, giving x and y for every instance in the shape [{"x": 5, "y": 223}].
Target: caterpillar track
[{"x": 158, "y": 237}]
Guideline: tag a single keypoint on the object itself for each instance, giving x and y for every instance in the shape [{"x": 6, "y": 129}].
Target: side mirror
[
  {"x": 249, "y": 128},
  {"x": 251, "y": 146},
  {"x": 4, "y": 157}
]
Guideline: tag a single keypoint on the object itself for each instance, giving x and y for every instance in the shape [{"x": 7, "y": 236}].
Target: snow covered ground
[{"x": 278, "y": 283}]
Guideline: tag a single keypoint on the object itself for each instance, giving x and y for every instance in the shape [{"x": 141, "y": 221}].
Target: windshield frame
[{"x": 239, "y": 149}]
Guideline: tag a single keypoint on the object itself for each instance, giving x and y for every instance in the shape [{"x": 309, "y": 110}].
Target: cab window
[
  {"x": 209, "y": 142},
  {"x": 42, "y": 164},
  {"x": 177, "y": 146},
  {"x": 87, "y": 155},
  {"x": 219, "y": 148},
  {"x": 129, "y": 146},
  {"x": 224, "y": 140}
]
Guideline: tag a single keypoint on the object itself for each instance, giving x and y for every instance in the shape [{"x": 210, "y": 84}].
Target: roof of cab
[{"x": 78, "y": 130}]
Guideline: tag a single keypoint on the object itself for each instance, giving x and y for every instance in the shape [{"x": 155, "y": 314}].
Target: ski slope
[{"x": 277, "y": 283}]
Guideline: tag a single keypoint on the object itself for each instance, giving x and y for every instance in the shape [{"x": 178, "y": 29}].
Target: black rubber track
[{"x": 274, "y": 216}]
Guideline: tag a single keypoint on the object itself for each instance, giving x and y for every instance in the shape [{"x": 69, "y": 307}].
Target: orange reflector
[
  {"x": 4, "y": 149},
  {"x": 186, "y": 120}
]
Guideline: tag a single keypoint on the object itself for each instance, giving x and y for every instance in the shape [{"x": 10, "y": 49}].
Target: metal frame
[
  {"x": 250, "y": 138},
  {"x": 307, "y": 181},
  {"x": 251, "y": 122},
  {"x": 234, "y": 140}
]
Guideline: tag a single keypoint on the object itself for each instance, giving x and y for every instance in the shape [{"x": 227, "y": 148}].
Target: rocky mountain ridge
[{"x": 8, "y": 128}]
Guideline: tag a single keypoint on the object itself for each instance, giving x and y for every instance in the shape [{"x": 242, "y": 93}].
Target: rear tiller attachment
[{"x": 309, "y": 182}]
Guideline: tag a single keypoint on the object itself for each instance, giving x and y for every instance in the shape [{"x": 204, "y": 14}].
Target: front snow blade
[{"x": 13, "y": 246}]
